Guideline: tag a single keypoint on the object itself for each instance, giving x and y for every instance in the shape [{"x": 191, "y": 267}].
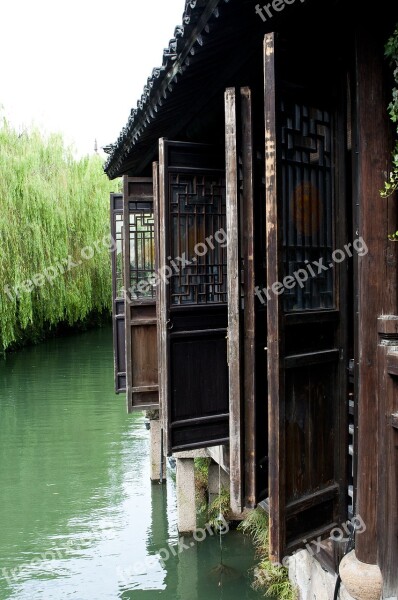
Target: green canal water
[{"x": 79, "y": 518}]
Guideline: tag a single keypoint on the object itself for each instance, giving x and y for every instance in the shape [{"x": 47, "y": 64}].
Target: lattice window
[
  {"x": 307, "y": 195},
  {"x": 142, "y": 253},
  {"x": 119, "y": 254},
  {"x": 197, "y": 216}
]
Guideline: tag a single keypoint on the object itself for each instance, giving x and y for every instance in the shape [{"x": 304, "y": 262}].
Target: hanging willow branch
[
  {"x": 391, "y": 52},
  {"x": 51, "y": 207}
]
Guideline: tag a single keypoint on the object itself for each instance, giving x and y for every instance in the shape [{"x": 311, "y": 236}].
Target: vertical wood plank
[
  {"x": 233, "y": 260},
  {"x": 274, "y": 316},
  {"x": 156, "y": 216},
  {"x": 163, "y": 304},
  {"x": 249, "y": 318},
  {"x": 377, "y": 273},
  {"x": 342, "y": 235},
  {"x": 127, "y": 294}
]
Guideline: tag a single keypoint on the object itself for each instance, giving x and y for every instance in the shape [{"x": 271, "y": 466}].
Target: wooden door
[
  {"x": 306, "y": 288},
  {"x": 118, "y": 313},
  {"x": 193, "y": 291},
  {"x": 140, "y": 294}
]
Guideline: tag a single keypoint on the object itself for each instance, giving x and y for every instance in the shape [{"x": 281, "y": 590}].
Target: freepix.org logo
[{"x": 267, "y": 11}]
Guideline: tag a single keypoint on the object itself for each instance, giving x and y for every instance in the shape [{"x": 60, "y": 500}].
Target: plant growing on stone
[
  {"x": 202, "y": 482},
  {"x": 220, "y": 507},
  {"x": 268, "y": 578}
]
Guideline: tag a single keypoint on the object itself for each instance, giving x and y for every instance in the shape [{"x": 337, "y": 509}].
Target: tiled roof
[{"x": 177, "y": 58}]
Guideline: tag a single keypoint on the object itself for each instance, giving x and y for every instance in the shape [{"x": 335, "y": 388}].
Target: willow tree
[{"x": 54, "y": 235}]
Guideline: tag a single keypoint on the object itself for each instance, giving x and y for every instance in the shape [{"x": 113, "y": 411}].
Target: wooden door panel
[
  {"x": 140, "y": 295},
  {"x": 118, "y": 309},
  {"x": 193, "y": 307},
  {"x": 305, "y": 205}
]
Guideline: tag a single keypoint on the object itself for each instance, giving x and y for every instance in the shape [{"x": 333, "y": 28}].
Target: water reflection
[{"x": 78, "y": 513}]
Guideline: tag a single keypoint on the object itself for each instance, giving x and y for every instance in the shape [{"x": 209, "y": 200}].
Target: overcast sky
[{"x": 79, "y": 66}]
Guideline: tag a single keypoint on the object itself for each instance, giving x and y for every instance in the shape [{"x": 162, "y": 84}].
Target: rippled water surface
[{"x": 79, "y": 517}]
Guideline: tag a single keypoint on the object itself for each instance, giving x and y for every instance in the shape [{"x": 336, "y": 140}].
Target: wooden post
[
  {"x": 234, "y": 349},
  {"x": 249, "y": 317},
  {"x": 377, "y": 270},
  {"x": 276, "y": 416}
]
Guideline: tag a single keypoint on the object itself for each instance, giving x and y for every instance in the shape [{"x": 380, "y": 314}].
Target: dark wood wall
[{"x": 376, "y": 281}]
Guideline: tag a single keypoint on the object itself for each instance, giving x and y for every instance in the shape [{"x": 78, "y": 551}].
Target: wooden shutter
[
  {"x": 193, "y": 309},
  {"x": 118, "y": 315},
  {"x": 140, "y": 296},
  {"x": 305, "y": 220}
]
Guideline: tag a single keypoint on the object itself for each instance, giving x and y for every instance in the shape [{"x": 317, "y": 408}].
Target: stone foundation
[
  {"x": 363, "y": 581},
  {"x": 311, "y": 580}
]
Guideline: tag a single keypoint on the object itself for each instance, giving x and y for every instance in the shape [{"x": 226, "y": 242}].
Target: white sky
[{"x": 79, "y": 66}]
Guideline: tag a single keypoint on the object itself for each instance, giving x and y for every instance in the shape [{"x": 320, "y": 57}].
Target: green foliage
[
  {"x": 219, "y": 507},
  {"x": 274, "y": 581},
  {"x": 391, "y": 52},
  {"x": 51, "y": 208},
  {"x": 256, "y": 525},
  {"x": 271, "y": 579},
  {"x": 201, "y": 482}
]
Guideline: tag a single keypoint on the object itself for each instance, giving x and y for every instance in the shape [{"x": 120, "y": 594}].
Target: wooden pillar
[
  {"x": 376, "y": 277},
  {"x": 387, "y": 523}
]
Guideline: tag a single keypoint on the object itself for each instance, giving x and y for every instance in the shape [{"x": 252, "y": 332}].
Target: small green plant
[
  {"x": 152, "y": 414},
  {"x": 268, "y": 578},
  {"x": 391, "y": 185},
  {"x": 219, "y": 507},
  {"x": 273, "y": 581},
  {"x": 256, "y": 525},
  {"x": 201, "y": 482}
]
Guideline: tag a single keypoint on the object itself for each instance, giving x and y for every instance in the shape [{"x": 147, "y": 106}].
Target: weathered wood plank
[
  {"x": 297, "y": 506},
  {"x": 249, "y": 318},
  {"x": 233, "y": 255},
  {"x": 163, "y": 301},
  {"x": 274, "y": 316},
  {"x": 377, "y": 279},
  {"x": 311, "y": 358}
]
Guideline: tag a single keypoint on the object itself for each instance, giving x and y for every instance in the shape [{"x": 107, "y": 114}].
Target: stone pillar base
[
  {"x": 311, "y": 580},
  {"x": 155, "y": 437},
  {"x": 186, "y": 503},
  {"x": 364, "y": 582}
]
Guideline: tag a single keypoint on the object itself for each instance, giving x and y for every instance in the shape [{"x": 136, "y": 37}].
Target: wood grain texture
[
  {"x": 234, "y": 324},
  {"x": 249, "y": 316},
  {"x": 276, "y": 416},
  {"x": 377, "y": 278}
]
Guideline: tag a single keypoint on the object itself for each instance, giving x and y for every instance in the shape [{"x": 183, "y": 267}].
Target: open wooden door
[
  {"x": 305, "y": 295},
  {"x": 118, "y": 314},
  {"x": 193, "y": 291},
  {"x": 140, "y": 294}
]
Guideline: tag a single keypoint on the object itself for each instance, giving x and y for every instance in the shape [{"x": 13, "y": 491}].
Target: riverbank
[{"x": 32, "y": 336}]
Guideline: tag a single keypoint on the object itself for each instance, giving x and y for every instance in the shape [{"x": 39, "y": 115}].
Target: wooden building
[{"x": 255, "y": 289}]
